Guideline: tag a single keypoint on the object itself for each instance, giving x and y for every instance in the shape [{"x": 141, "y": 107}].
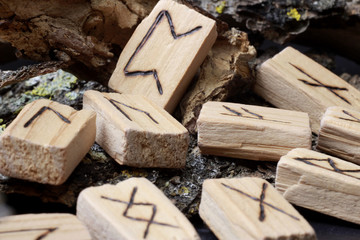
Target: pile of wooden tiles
[{"x": 47, "y": 140}]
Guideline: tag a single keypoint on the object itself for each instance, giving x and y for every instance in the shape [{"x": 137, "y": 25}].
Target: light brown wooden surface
[
  {"x": 47, "y": 226},
  {"x": 321, "y": 183},
  {"x": 340, "y": 133},
  {"x": 39, "y": 145},
  {"x": 291, "y": 80},
  {"x": 152, "y": 47},
  {"x": 251, "y": 132},
  {"x": 132, "y": 209},
  {"x": 137, "y": 132},
  {"x": 232, "y": 210}
]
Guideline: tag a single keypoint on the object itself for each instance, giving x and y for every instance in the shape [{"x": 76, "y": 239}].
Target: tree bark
[{"x": 86, "y": 36}]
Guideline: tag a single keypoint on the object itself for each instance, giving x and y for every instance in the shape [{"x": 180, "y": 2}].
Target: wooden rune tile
[
  {"x": 251, "y": 132},
  {"x": 46, "y": 141},
  {"x": 164, "y": 53},
  {"x": 132, "y": 209},
  {"x": 340, "y": 133},
  {"x": 321, "y": 183},
  {"x": 250, "y": 208},
  {"x": 45, "y": 226},
  {"x": 137, "y": 132},
  {"x": 291, "y": 80}
]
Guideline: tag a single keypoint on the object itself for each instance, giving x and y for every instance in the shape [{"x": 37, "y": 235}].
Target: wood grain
[
  {"x": 251, "y": 132},
  {"x": 137, "y": 132},
  {"x": 291, "y": 80},
  {"x": 48, "y": 226},
  {"x": 46, "y": 141},
  {"x": 321, "y": 183},
  {"x": 250, "y": 208},
  {"x": 164, "y": 54},
  {"x": 132, "y": 209}
]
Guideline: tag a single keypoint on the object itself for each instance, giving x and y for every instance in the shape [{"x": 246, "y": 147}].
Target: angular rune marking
[
  {"x": 42, "y": 236},
  {"x": 114, "y": 103},
  {"x": 355, "y": 119},
  {"x": 262, "y": 202},
  {"x": 41, "y": 111},
  {"x": 257, "y": 116},
  {"x": 146, "y": 38},
  {"x": 332, "y": 89},
  {"x": 132, "y": 203},
  {"x": 332, "y": 164}
]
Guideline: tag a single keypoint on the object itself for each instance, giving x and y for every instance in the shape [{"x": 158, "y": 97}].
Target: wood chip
[
  {"x": 164, "y": 54},
  {"x": 137, "y": 132},
  {"x": 340, "y": 133},
  {"x": 132, "y": 209},
  {"x": 46, "y": 141},
  {"x": 49, "y": 226},
  {"x": 251, "y": 132},
  {"x": 291, "y": 80},
  {"x": 321, "y": 183},
  {"x": 250, "y": 208}
]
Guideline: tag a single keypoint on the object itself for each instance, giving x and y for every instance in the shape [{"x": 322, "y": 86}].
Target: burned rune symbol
[
  {"x": 131, "y": 203},
  {"x": 332, "y": 89},
  {"x": 41, "y": 111},
  {"x": 114, "y": 103},
  {"x": 355, "y": 119},
  {"x": 331, "y": 163},
  {"x": 254, "y": 115},
  {"x": 43, "y": 235},
  {"x": 147, "y": 36},
  {"x": 261, "y": 201}
]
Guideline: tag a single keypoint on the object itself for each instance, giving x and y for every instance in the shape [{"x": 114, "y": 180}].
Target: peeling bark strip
[
  {"x": 132, "y": 203},
  {"x": 43, "y": 109},
  {"x": 146, "y": 38},
  {"x": 46, "y": 232}
]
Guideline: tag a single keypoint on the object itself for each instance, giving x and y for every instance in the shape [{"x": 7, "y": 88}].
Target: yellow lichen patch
[
  {"x": 183, "y": 190},
  {"x": 293, "y": 13},
  {"x": 220, "y": 8},
  {"x": 2, "y": 126}
]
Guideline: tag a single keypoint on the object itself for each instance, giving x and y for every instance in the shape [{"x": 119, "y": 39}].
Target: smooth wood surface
[
  {"x": 340, "y": 133},
  {"x": 154, "y": 48},
  {"x": 250, "y": 208},
  {"x": 132, "y": 209},
  {"x": 321, "y": 183},
  {"x": 291, "y": 80},
  {"x": 251, "y": 132},
  {"x": 46, "y": 141},
  {"x": 47, "y": 226},
  {"x": 137, "y": 132}
]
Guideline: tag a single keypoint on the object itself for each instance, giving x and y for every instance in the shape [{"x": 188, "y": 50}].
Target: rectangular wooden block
[
  {"x": 291, "y": 80},
  {"x": 340, "y": 133},
  {"x": 132, "y": 209},
  {"x": 47, "y": 226},
  {"x": 46, "y": 141},
  {"x": 251, "y": 132},
  {"x": 137, "y": 132},
  {"x": 164, "y": 53},
  {"x": 250, "y": 208},
  {"x": 321, "y": 183}
]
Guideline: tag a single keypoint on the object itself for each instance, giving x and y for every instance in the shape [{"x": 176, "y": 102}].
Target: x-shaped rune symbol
[
  {"x": 332, "y": 89},
  {"x": 261, "y": 201},
  {"x": 41, "y": 111},
  {"x": 152, "y": 28},
  {"x": 132, "y": 203},
  {"x": 331, "y": 163}
]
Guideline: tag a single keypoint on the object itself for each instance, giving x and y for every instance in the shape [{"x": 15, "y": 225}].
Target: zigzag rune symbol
[{"x": 146, "y": 38}]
